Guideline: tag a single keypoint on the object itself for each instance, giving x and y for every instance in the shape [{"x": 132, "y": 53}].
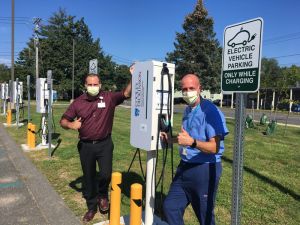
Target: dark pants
[
  {"x": 101, "y": 153},
  {"x": 196, "y": 184}
]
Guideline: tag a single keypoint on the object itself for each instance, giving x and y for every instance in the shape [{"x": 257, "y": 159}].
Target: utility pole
[
  {"x": 73, "y": 71},
  {"x": 36, "y": 43},
  {"x": 12, "y": 50}
]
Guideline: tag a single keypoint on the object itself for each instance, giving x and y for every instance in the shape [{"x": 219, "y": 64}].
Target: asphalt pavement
[
  {"x": 292, "y": 119},
  {"x": 26, "y": 197}
]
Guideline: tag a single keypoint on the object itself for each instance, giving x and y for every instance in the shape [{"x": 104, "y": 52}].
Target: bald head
[{"x": 190, "y": 82}]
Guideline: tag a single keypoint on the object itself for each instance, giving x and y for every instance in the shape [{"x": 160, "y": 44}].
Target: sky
[{"x": 140, "y": 30}]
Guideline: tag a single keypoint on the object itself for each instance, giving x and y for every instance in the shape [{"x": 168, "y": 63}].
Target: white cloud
[{"x": 5, "y": 61}]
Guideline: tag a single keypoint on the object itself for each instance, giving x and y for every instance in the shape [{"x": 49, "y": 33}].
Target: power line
[
  {"x": 282, "y": 37},
  {"x": 293, "y": 63},
  {"x": 283, "y": 56}
]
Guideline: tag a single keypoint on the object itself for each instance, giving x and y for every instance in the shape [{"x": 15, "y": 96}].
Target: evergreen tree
[
  {"x": 56, "y": 54},
  {"x": 197, "y": 50},
  {"x": 4, "y": 73}
]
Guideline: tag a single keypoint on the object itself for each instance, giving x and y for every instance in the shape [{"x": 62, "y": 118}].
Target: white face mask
[
  {"x": 190, "y": 97},
  {"x": 93, "y": 90}
]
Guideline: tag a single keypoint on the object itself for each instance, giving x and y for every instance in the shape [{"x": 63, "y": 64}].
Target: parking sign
[
  {"x": 242, "y": 56},
  {"x": 93, "y": 69}
]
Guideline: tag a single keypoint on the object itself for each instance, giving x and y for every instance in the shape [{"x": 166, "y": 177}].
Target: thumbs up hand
[
  {"x": 76, "y": 124},
  {"x": 184, "y": 138}
]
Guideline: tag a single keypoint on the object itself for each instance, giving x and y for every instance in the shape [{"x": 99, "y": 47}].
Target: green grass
[{"x": 271, "y": 184}]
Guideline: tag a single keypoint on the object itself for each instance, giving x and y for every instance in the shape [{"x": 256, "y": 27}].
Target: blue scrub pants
[{"x": 196, "y": 184}]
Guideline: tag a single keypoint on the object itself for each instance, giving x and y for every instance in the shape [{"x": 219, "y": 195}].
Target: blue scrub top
[{"x": 202, "y": 123}]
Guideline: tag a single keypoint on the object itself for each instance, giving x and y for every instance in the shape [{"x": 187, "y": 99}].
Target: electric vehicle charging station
[
  {"x": 4, "y": 97},
  {"x": 15, "y": 90},
  {"x": 17, "y": 99},
  {"x": 43, "y": 106},
  {"x": 151, "y": 109}
]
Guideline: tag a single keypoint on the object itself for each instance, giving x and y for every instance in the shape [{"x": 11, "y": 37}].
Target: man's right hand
[{"x": 76, "y": 124}]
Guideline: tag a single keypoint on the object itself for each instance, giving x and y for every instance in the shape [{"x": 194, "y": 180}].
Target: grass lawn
[{"x": 271, "y": 184}]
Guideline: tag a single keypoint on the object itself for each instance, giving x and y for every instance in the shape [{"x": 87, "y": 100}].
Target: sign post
[
  {"x": 241, "y": 74},
  {"x": 28, "y": 96},
  {"x": 93, "y": 69},
  {"x": 49, "y": 87}
]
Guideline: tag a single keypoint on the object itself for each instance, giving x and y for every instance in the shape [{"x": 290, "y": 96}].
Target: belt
[{"x": 94, "y": 141}]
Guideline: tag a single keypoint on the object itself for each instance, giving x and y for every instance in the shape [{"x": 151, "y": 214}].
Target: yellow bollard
[
  {"x": 8, "y": 117},
  {"x": 28, "y": 133},
  {"x": 32, "y": 139},
  {"x": 115, "y": 199},
  {"x": 136, "y": 204}
]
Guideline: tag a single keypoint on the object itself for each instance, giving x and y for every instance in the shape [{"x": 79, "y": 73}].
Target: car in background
[
  {"x": 285, "y": 106},
  {"x": 225, "y": 102},
  {"x": 295, "y": 108}
]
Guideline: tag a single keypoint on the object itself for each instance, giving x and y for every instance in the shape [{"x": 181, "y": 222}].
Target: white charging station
[
  {"x": 14, "y": 91},
  {"x": 4, "y": 97},
  {"x": 42, "y": 106},
  {"x": 151, "y": 100},
  {"x": 148, "y": 97},
  {"x": 17, "y": 92},
  {"x": 17, "y": 99},
  {"x": 42, "y": 95}
]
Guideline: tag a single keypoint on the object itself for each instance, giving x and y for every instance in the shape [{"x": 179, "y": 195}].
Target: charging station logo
[
  {"x": 136, "y": 112},
  {"x": 139, "y": 94}
]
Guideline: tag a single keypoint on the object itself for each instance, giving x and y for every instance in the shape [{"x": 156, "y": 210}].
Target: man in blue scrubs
[{"x": 201, "y": 145}]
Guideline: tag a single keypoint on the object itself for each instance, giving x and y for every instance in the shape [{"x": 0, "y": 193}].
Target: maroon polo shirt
[{"x": 97, "y": 121}]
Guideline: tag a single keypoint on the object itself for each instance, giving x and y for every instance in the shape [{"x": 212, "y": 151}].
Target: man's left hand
[
  {"x": 131, "y": 68},
  {"x": 184, "y": 138}
]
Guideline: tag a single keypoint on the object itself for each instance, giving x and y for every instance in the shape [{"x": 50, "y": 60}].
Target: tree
[
  {"x": 122, "y": 76},
  {"x": 270, "y": 73},
  {"x": 288, "y": 79},
  {"x": 197, "y": 50},
  {"x": 4, "y": 73},
  {"x": 56, "y": 49}
]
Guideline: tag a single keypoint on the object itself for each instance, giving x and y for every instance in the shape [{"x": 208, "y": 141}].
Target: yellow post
[
  {"x": 115, "y": 199},
  {"x": 8, "y": 117},
  {"x": 136, "y": 204},
  {"x": 32, "y": 139},
  {"x": 28, "y": 133}
]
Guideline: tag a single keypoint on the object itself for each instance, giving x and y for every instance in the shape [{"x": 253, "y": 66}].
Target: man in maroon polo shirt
[{"x": 92, "y": 115}]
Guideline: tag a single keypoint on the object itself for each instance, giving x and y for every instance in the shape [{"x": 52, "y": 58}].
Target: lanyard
[{"x": 191, "y": 118}]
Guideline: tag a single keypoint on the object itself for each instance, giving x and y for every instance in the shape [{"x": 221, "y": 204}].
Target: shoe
[
  {"x": 103, "y": 204},
  {"x": 89, "y": 215}
]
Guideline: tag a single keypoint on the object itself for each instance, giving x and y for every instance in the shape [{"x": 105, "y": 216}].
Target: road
[{"x": 293, "y": 119}]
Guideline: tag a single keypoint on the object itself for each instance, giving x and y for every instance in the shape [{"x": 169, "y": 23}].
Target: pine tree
[{"x": 197, "y": 50}]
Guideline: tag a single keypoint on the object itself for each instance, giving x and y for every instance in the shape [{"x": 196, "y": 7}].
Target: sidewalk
[{"x": 26, "y": 196}]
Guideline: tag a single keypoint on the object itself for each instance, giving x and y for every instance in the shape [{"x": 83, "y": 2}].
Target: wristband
[{"x": 194, "y": 144}]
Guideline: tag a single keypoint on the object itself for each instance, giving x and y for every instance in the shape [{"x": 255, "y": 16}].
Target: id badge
[
  {"x": 101, "y": 105},
  {"x": 184, "y": 151}
]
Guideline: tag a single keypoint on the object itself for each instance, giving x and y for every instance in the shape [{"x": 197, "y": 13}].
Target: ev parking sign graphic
[
  {"x": 93, "y": 69},
  {"x": 242, "y": 56}
]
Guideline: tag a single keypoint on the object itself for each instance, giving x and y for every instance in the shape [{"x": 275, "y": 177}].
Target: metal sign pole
[
  {"x": 238, "y": 156},
  {"x": 10, "y": 84},
  {"x": 49, "y": 84},
  {"x": 5, "y": 98},
  {"x": 28, "y": 96},
  {"x": 17, "y": 102}
]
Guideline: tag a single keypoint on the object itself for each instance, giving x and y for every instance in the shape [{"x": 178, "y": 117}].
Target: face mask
[
  {"x": 190, "y": 97},
  {"x": 93, "y": 90}
]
